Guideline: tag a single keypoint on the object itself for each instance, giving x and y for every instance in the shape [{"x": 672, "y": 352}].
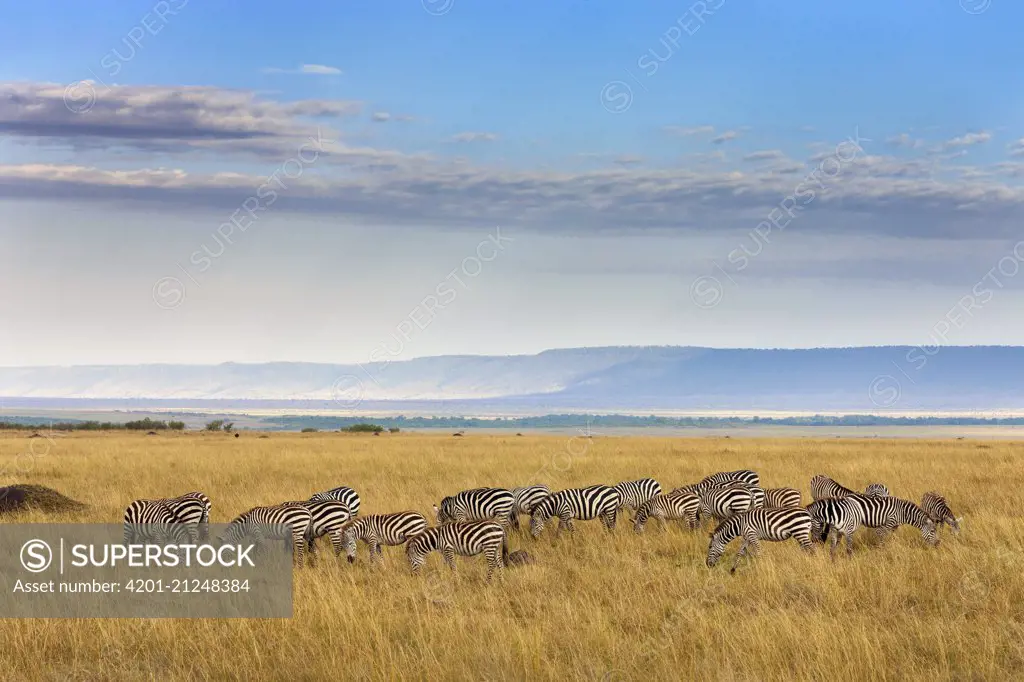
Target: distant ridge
[{"x": 608, "y": 378}]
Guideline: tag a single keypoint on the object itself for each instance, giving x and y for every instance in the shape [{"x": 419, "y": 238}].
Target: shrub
[
  {"x": 309, "y": 429},
  {"x": 394, "y": 429},
  {"x": 215, "y": 425},
  {"x": 364, "y": 428}
]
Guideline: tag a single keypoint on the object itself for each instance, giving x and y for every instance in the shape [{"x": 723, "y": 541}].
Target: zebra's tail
[{"x": 504, "y": 549}]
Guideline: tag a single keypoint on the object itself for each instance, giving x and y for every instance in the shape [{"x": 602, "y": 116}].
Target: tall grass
[{"x": 595, "y": 606}]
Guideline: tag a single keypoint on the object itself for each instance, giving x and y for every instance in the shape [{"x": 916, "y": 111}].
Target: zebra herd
[{"x": 478, "y": 521}]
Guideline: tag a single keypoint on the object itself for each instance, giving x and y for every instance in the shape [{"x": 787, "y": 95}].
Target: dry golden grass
[{"x": 594, "y": 606}]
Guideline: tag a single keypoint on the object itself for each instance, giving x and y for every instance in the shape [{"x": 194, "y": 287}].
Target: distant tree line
[{"x": 146, "y": 424}]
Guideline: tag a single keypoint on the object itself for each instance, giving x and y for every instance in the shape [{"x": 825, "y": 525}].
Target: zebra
[
  {"x": 464, "y": 539},
  {"x": 774, "y": 524},
  {"x": 759, "y": 495},
  {"x": 823, "y": 486},
  {"x": 577, "y": 503},
  {"x": 479, "y": 504},
  {"x": 295, "y": 518},
  {"x": 876, "y": 490},
  {"x": 525, "y": 499},
  {"x": 326, "y": 518},
  {"x": 347, "y": 496},
  {"x": 745, "y": 476},
  {"x": 846, "y": 514},
  {"x": 782, "y": 497},
  {"x": 721, "y": 503},
  {"x": 937, "y": 509},
  {"x": 635, "y": 493},
  {"x": 381, "y": 529},
  {"x": 682, "y": 506},
  {"x": 191, "y": 509},
  {"x": 154, "y": 521}
]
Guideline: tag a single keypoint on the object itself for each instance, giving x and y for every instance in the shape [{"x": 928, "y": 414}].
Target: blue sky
[{"x": 449, "y": 117}]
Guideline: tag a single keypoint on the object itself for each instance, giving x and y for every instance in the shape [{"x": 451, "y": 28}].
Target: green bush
[
  {"x": 215, "y": 425},
  {"x": 364, "y": 428},
  {"x": 310, "y": 429}
]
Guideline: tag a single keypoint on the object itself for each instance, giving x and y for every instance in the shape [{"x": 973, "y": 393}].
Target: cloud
[
  {"x": 766, "y": 155},
  {"x": 474, "y": 137},
  {"x": 968, "y": 140},
  {"x": 905, "y": 141},
  {"x": 725, "y": 136},
  {"x": 1016, "y": 148},
  {"x": 174, "y": 120},
  {"x": 307, "y": 69},
  {"x": 628, "y": 160},
  {"x": 381, "y": 116},
  {"x": 688, "y": 132}
]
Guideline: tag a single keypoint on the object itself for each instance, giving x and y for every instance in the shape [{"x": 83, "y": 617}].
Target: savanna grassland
[{"x": 595, "y": 606}]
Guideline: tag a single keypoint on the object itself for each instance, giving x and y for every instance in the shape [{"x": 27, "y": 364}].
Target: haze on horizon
[{"x": 504, "y": 179}]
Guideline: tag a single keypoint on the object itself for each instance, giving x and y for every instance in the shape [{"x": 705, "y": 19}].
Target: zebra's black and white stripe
[
  {"x": 191, "y": 509},
  {"x": 293, "y": 519},
  {"x": 464, "y": 539},
  {"x": 635, "y": 493},
  {"x": 153, "y": 521},
  {"x": 822, "y": 486},
  {"x": 377, "y": 530},
  {"x": 937, "y": 509},
  {"x": 343, "y": 494},
  {"x": 745, "y": 476},
  {"x": 679, "y": 507},
  {"x": 876, "y": 490},
  {"x": 782, "y": 497},
  {"x": 327, "y": 517},
  {"x": 525, "y": 499},
  {"x": 721, "y": 503},
  {"x": 596, "y": 501},
  {"x": 479, "y": 504},
  {"x": 774, "y": 524},
  {"x": 845, "y": 514}
]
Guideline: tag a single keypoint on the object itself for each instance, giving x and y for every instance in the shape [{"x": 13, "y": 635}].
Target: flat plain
[{"x": 595, "y": 606}]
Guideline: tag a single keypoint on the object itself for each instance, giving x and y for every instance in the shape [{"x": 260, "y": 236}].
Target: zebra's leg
[
  {"x": 374, "y": 549},
  {"x": 513, "y": 520},
  {"x": 299, "y": 546},
  {"x": 834, "y": 532},
  {"x": 608, "y": 519},
  {"x": 806, "y": 544},
  {"x": 494, "y": 563},
  {"x": 881, "y": 534},
  {"x": 849, "y": 543},
  {"x": 743, "y": 550},
  {"x": 449, "y": 556}
]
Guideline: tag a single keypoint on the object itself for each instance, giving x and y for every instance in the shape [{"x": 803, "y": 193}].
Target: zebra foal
[{"x": 679, "y": 507}]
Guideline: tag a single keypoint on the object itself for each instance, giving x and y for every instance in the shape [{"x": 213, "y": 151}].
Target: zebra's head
[
  {"x": 640, "y": 520},
  {"x": 542, "y": 511},
  {"x": 929, "y": 532},
  {"x": 715, "y": 549}
]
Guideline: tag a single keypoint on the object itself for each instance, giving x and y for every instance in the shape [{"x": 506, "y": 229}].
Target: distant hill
[{"x": 871, "y": 379}]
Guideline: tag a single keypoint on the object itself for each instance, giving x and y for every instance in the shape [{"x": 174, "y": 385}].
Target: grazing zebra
[
  {"x": 721, "y": 503},
  {"x": 635, "y": 493},
  {"x": 255, "y": 521},
  {"x": 886, "y": 514},
  {"x": 745, "y": 476},
  {"x": 464, "y": 539},
  {"x": 347, "y": 496},
  {"x": 937, "y": 509},
  {"x": 153, "y": 521},
  {"x": 823, "y": 486},
  {"x": 876, "y": 490},
  {"x": 326, "y": 518},
  {"x": 191, "y": 509},
  {"x": 782, "y": 497},
  {"x": 577, "y": 503},
  {"x": 767, "y": 523},
  {"x": 479, "y": 504},
  {"x": 526, "y": 498},
  {"x": 683, "y": 506},
  {"x": 381, "y": 529}
]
